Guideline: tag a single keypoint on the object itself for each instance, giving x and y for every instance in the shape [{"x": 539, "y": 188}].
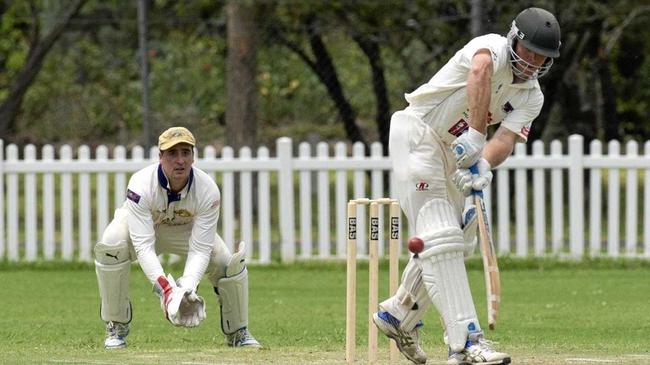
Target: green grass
[{"x": 552, "y": 312}]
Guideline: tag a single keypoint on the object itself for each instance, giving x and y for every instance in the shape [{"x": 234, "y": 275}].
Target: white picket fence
[{"x": 58, "y": 208}]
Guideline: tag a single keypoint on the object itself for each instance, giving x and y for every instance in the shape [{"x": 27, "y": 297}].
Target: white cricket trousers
[{"x": 422, "y": 165}]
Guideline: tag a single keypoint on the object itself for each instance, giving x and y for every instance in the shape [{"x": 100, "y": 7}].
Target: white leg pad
[
  {"x": 113, "y": 281},
  {"x": 470, "y": 223},
  {"x": 411, "y": 301},
  {"x": 233, "y": 298},
  {"x": 112, "y": 254},
  {"x": 443, "y": 270},
  {"x": 237, "y": 261}
]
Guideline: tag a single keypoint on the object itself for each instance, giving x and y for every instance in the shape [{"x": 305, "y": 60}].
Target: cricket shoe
[
  {"x": 478, "y": 350},
  {"x": 407, "y": 342},
  {"x": 242, "y": 338},
  {"x": 116, "y": 333}
]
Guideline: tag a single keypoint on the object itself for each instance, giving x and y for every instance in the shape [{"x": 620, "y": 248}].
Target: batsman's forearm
[
  {"x": 499, "y": 147},
  {"x": 479, "y": 92}
]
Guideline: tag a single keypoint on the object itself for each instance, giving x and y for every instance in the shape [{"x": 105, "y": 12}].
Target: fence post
[
  {"x": 285, "y": 192},
  {"x": 2, "y": 199},
  {"x": 539, "y": 203},
  {"x": 30, "y": 226},
  {"x": 613, "y": 201},
  {"x": 631, "y": 199},
  {"x": 521, "y": 205},
  {"x": 83, "y": 155},
  {"x": 557, "y": 201},
  {"x": 646, "y": 203},
  {"x": 12, "y": 206},
  {"x": 576, "y": 193},
  {"x": 228, "y": 200},
  {"x": 67, "y": 237},
  {"x": 595, "y": 201}
]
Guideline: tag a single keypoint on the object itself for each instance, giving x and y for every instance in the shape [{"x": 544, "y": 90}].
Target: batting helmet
[{"x": 539, "y": 31}]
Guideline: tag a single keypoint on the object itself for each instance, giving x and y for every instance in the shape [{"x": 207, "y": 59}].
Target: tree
[
  {"x": 241, "y": 108},
  {"x": 39, "y": 46},
  {"x": 320, "y": 62}
]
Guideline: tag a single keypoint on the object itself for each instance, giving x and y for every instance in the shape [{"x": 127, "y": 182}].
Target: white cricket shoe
[
  {"x": 407, "y": 342},
  {"x": 242, "y": 338},
  {"x": 478, "y": 350},
  {"x": 116, "y": 333}
]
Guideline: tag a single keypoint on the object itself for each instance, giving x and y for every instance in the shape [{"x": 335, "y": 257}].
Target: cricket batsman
[
  {"x": 172, "y": 207},
  {"x": 433, "y": 143}
]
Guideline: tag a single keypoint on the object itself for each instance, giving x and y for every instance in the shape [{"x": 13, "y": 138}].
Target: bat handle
[{"x": 474, "y": 170}]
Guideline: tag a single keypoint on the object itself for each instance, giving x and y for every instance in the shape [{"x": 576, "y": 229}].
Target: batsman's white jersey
[
  {"x": 438, "y": 112},
  {"x": 442, "y": 102},
  {"x": 184, "y": 223},
  {"x": 419, "y": 145}
]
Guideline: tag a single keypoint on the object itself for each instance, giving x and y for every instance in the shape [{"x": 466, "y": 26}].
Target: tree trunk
[
  {"x": 38, "y": 50},
  {"x": 610, "y": 115},
  {"x": 476, "y": 18},
  {"x": 241, "y": 86},
  {"x": 324, "y": 68},
  {"x": 371, "y": 49}
]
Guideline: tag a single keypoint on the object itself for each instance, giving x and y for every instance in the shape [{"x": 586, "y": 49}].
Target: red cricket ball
[{"x": 416, "y": 245}]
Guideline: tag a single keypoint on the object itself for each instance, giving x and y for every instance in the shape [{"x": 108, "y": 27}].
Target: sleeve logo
[
  {"x": 132, "y": 196},
  {"x": 525, "y": 130}
]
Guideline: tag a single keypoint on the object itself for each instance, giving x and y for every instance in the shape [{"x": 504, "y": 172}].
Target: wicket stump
[{"x": 373, "y": 272}]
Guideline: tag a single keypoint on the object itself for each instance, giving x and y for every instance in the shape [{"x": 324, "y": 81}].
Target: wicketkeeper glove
[
  {"x": 467, "y": 148},
  {"x": 182, "y": 306}
]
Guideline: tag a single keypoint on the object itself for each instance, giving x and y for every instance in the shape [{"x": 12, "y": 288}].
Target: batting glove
[
  {"x": 465, "y": 181},
  {"x": 484, "y": 176},
  {"x": 467, "y": 148}
]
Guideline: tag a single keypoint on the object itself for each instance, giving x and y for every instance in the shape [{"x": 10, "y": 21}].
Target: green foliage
[{"x": 89, "y": 90}]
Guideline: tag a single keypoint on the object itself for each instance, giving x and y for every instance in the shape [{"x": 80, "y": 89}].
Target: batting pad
[
  {"x": 443, "y": 270},
  {"x": 233, "y": 300},
  {"x": 113, "y": 283}
]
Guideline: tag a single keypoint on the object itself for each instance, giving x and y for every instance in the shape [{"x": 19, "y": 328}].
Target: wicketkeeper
[
  {"x": 433, "y": 142},
  {"x": 172, "y": 207}
]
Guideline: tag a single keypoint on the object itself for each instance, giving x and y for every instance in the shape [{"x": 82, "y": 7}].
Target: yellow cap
[{"x": 174, "y": 136}]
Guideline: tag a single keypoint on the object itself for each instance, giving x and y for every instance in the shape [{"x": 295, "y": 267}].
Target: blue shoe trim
[{"x": 387, "y": 317}]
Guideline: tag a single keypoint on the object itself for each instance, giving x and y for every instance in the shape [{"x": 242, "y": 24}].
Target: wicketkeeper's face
[{"x": 177, "y": 161}]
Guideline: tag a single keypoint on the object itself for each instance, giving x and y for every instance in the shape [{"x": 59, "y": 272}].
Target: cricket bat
[{"x": 490, "y": 266}]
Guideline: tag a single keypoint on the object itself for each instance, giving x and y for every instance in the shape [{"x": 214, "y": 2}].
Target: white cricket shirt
[
  {"x": 189, "y": 217},
  {"x": 442, "y": 102}
]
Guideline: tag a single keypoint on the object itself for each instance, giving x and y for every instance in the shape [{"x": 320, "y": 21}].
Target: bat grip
[{"x": 474, "y": 170}]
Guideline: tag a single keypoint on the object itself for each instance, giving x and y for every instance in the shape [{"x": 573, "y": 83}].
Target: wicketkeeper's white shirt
[
  {"x": 442, "y": 102},
  {"x": 159, "y": 220}
]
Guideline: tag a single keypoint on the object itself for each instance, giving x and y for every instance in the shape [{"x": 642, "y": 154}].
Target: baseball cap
[{"x": 174, "y": 136}]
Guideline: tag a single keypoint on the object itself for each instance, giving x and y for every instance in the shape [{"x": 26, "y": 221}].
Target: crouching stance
[
  {"x": 433, "y": 143},
  {"x": 172, "y": 207}
]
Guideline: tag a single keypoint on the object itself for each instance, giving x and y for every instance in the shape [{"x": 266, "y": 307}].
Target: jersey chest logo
[{"x": 458, "y": 128}]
